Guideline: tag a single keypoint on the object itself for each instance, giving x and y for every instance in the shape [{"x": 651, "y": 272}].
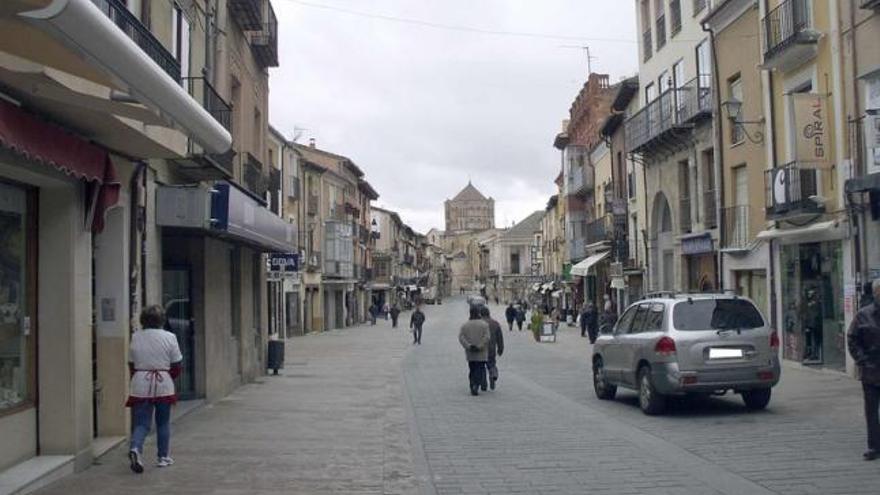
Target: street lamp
[{"x": 733, "y": 109}]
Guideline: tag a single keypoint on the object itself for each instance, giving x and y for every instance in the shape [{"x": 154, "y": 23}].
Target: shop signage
[
  {"x": 285, "y": 263},
  {"x": 811, "y": 123},
  {"x": 697, "y": 245}
]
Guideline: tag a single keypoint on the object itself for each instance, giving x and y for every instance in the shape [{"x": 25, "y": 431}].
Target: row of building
[
  {"x": 743, "y": 156},
  {"x": 138, "y": 167}
]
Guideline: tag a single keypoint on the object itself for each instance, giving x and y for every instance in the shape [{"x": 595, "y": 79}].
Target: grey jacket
[
  {"x": 475, "y": 333},
  {"x": 864, "y": 343},
  {"x": 496, "y": 339}
]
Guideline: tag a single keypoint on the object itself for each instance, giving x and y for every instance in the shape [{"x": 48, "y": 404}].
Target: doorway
[{"x": 177, "y": 301}]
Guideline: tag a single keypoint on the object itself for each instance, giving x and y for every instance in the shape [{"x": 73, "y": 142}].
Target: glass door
[{"x": 177, "y": 301}]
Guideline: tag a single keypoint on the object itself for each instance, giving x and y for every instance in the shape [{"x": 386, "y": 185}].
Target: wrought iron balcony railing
[
  {"x": 252, "y": 177},
  {"x": 783, "y": 26},
  {"x": 599, "y": 230},
  {"x": 132, "y": 27},
  {"x": 202, "y": 91},
  {"x": 791, "y": 190},
  {"x": 247, "y": 13},
  {"x": 694, "y": 98},
  {"x": 264, "y": 42},
  {"x": 652, "y": 121}
]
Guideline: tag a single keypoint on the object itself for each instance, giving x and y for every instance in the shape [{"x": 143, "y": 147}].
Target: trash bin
[{"x": 275, "y": 359}]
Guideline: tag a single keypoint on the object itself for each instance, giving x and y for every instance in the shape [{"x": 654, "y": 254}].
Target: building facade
[{"x": 469, "y": 211}]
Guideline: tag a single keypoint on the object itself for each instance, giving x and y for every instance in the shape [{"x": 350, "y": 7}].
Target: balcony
[
  {"x": 653, "y": 123},
  {"x": 736, "y": 227},
  {"x": 576, "y": 249},
  {"x": 312, "y": 205},
  {"x": 710, "y": 210},
  {"x": 694, "y": 99},
  {"x": 252, "y": 177},
  {"x": 684, "y": 210},
  {"x": 646, "y": 45},
  {"x": 247, "y": 13},
  {"x": 313, "y": 261},
  {"x": 340, "y": 269},
  {"x": 792, "y": 191},
  {"x": 789, "y": 39},
  {"x": 132, "y": 27},
  {"x": 264, "y": 42},
  {"x": 599, "y": 230},
  {"x": 660, "y": 23},
  {"x": 199, "y": 164}
]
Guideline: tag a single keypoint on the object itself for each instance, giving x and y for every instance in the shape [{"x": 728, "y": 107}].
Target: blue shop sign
[
  {"x": 284, "y": 262},
  {"x": 700, "y": 244}
]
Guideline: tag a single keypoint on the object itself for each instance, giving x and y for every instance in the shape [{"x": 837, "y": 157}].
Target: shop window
[{"x": 16, "y": 276}]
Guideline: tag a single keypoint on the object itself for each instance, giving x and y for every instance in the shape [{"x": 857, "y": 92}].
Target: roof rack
[
  {"x": 660, "y": 293},
  {"x": 676, "y": 294}
]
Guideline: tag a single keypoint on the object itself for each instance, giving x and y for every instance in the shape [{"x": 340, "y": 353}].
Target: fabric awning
[
  {"x": 580, "y": 270},
  {"x": 42, "y": 142},
  {"x": 819, "y": 231}
]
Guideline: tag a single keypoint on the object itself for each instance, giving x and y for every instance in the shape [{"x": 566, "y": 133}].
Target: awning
[
  {"x": 556, "y": 294},
  {"x": 39, "y": 141},
  {"x": 580, "y": 270},
  {"x": 820, "y": 231},
  {"x": 536, "y": 287}
]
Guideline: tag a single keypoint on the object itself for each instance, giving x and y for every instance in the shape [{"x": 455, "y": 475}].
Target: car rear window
[{"x": 716, "y": 314}]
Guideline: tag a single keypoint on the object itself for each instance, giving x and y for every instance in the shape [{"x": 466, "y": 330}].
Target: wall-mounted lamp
[{"x": 733, "y": 109}]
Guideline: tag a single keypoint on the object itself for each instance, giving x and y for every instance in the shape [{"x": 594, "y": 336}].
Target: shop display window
[{"x": 15, "y": 356}]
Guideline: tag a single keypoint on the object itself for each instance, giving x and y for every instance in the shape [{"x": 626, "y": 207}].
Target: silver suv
[{"x": 682, "y": 344}]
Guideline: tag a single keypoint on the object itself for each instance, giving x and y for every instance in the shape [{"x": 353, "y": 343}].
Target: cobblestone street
[{"x": 338, "y": 421}]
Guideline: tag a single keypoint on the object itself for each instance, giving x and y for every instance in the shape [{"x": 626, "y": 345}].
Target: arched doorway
[{"x": 662, "y": 254}]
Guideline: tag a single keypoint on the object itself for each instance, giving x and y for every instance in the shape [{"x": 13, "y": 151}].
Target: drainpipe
[
  {"x": 718, "y": 164},
  {"x": 770, "y": 133}
]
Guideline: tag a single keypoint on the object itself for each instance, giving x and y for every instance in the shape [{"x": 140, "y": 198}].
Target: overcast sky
[{"x": 421, "y": 109}]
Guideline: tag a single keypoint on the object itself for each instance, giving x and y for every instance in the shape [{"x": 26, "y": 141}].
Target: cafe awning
[
  {"x": 580, "y": 269},
  {"x": 39, "y": 141}
]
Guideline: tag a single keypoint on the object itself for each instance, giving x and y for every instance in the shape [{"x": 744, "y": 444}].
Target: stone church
[{"x": 469, "y": 211}]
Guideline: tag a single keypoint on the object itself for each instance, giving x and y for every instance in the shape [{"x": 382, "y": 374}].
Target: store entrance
[{"x": 177, "y": 301}]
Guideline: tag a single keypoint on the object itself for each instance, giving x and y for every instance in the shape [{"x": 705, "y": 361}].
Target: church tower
[{"x": 469, "y": 211}]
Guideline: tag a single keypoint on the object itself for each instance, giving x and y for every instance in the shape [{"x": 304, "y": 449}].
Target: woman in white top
[{"x": 154, "y": 361}]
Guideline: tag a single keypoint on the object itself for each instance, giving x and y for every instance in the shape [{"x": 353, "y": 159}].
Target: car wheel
[
  {"x": 756, "y": 399},
  {"x": 651, "y": 401},
  {"x": 603, "y": 389}
]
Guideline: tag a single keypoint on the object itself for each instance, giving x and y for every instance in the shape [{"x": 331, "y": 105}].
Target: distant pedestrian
[
  {"x": 154, "y": 360},
  {"x": 474, "y": 337},
  {"x": 415, "y": 323},
  {"x": 374, "y": 312},
  {"x": 592, "y": 323},
  {"x": 555, "y": 317},
  {"x": 395, "y": 313},
  {"x": 520, "y": 317},
  {"x": 864, "y": 346},
  {"x": 496, "y": 347},
  {"x": 607, "y": 320},
  {"x": 582, "y": 319},
  {"x": 497, "y": 301},
  {"x": 385, "y": 310},
  {"x": 510, "y": 316}
]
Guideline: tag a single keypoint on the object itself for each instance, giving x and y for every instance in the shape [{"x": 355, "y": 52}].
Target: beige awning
[
  {"x": 580, "y": 269},
  {"x": 819, "y": 231}
]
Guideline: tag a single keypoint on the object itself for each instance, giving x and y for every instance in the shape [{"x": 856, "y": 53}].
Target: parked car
[{"x": 688, "y": 344}]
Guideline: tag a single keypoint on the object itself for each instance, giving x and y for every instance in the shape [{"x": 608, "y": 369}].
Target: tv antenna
[
  {"x": 586, "y": 50},
  {"x": 298, "y": 132}
]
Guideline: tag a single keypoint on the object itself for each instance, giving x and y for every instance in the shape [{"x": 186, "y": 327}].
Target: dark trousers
[
  {"x": 476, "y": 373},
  {"x": 393, "y": 321},
  {"x": 492, "y": 368},
  {"x": 872, "y": 404},
  {"x": 510, "y": 325},
  {"x": 519, "y": 324},
  {"x": 417, "y": 334}
]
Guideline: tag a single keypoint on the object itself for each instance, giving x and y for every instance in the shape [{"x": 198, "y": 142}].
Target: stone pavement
[{"x": 360, "y": 410}]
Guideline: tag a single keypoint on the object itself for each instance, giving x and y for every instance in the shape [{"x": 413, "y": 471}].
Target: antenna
[
  {"x": 586, "y": 50},
  {"x": 298, "y": 132}
]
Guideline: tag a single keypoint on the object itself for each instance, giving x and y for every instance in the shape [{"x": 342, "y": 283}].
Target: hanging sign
[{"x": 811, "y": 126}]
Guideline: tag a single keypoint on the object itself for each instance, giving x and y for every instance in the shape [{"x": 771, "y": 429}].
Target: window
[
  {"x": 678, "y": 74},
  {"x": 625, "y": 322},
  {"x": 639, "y": 319},
  {"x": 674, "y": 17},
  {"x": 699, "y": 5},
  {"x": 180, "y": 39},
  {"x": 704, "y": 65},
  {"x": 663, "y": 82},
  {"x": 16, "y": 278},
  {"x": 650, "y": 93},
  {"x": 514, "y": 263},
  {"x": 735, "y": 93},
  {"x": 716, "y": 314},
  {"x": 660, "y": 23}
]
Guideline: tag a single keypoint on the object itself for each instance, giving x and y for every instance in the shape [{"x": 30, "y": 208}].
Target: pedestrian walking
[
  {"x": 474, "y": 337},
  {"x": 607, "y": 320},
  {"x": 864, "y": 346},
  {"x": 582, "y": 319},
  {"x": 520, "y": 317},
  {"x": 592, "y": 323},
  {"x": 554, "y": 317},
  {"x": 154, "y": 361},
  {"x": 415, "y": 323},
  {"x": 374, "y": 312},
  {"x": 496, "y": 347},
  {"x": 395, "y": 313},
  {"x": 385, "y": 310},
  {"x": 510, "y": 316}
]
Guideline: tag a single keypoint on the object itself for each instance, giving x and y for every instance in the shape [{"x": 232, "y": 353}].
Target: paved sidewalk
[{"x": 334, "y": 422}]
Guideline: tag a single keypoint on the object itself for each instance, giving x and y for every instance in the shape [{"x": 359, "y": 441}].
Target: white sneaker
[
  {"x": 164, "y": 462},
  {"x": 134, "y": 458}
]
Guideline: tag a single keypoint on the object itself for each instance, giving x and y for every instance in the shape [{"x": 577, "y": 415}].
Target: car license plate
[{"x": 724, "y": 353}]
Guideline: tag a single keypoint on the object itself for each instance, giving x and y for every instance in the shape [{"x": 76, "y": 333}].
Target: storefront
[
  {"x": 700, "y": 261},
  {"x": 812, "y": 303}
]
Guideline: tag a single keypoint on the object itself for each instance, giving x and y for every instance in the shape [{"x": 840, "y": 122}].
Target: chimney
[{"x": 311, "y": 142}]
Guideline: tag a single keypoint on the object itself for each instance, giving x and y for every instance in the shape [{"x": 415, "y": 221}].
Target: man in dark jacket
[
  {"x": 510, "y": 315},
  {"x": 592, "y": 323},
  {"x": 395, "y": 313},
  {"x": 474, "y": 337},
  {"x": 520, "y": 316},
  {"x": 607, "y": 319},
  {"x": 864, "y": 346},
  {"x": 415, "y": 323},
  {"x": 496, "y": 347},
  {"x": 583, "y": 319}
]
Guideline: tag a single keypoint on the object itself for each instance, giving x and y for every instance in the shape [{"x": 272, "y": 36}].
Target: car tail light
[
  {"x": 688, "y": 380},
  {"x": 774, "y": 340},
  {"x": 665, "y": 346},
  {"x": 765, "y": 375}
]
